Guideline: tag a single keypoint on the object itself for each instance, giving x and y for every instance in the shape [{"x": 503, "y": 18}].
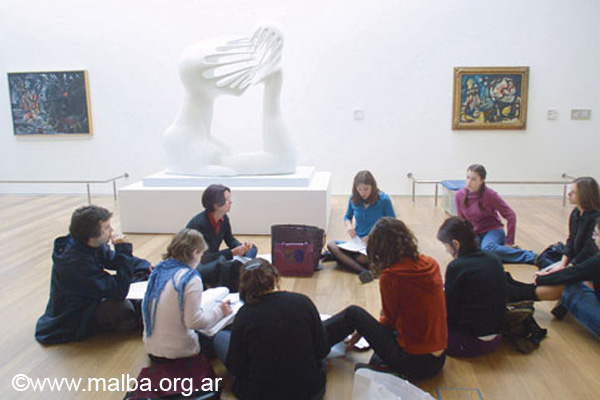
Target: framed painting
[
  {"x": 490, "y": 97},
  {"x": 50, "y": 103}
]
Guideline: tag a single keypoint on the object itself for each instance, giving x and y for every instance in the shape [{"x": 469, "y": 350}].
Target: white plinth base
[
  {"x": 150, "y": 209},
  {"x": 301, "y": 178}
]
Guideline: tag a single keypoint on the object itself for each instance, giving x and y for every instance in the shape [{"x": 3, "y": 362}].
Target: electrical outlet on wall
[
  {"x": 552, "y": 115},
  {"x": 581, "y": 114},
  {"x": 359, "y": 114}
]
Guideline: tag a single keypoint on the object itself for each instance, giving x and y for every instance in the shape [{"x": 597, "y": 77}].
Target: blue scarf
[{"x": 163, "y": 272}]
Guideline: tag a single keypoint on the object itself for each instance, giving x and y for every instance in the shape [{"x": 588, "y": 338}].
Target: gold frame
[{"x": 490, "y": 114}]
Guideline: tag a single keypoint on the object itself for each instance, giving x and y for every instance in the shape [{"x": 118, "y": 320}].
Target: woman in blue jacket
[{"x": 366, "y": 205}]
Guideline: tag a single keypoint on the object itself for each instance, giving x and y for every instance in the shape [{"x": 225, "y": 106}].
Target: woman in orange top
[{"x": 411, "y": 336}]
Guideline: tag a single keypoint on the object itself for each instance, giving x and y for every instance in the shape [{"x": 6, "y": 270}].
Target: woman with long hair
[
  {"x": 172, "y": 307},
  {"x": 411, "y": 335},
  {"x": 585, "y": 196},
  {"x": 577, "y": 286},
  {"x": 366, "y": 205},
  {"x": 277, "y": 344},
  {"x": 483, "y": 207},
  {"x": 475, "y": 288}
]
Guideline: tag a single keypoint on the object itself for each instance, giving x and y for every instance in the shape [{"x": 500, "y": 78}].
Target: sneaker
[{"x": 366, "y": 276}]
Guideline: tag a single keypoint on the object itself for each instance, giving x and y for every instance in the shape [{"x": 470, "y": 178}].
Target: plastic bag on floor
[{"x": 369, "y": 385}]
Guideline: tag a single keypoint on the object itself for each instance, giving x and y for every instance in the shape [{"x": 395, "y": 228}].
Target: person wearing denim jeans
[
  {"x": 483, "y": 207},
  {"x": 583, "y": 303},
  {"x": 580, "y": 296},
  {"x": 494, "y": 242}
]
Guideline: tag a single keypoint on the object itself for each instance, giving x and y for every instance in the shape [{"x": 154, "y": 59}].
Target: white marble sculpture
[{"x": 229, "y": 66}]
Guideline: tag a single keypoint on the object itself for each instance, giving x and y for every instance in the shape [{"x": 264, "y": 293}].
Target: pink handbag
[{"x": 294, "y": 259}]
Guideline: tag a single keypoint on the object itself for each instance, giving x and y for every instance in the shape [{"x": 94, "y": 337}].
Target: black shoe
[
  {"x": 535, "y": 333},
  {"x": 559, "y": 311},
  {"x": 366, "y": 276},
  {"x": 327, "y": 256}
]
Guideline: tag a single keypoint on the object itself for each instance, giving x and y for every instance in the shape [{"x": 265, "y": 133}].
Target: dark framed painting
[
  {"x": 50, "y": 103},
  {"x": 490, "y": 97}
]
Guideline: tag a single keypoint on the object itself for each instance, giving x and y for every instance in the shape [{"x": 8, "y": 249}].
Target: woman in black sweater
[
  {"x": 213, "y": 223},
  {"x": 475, "y": 288},
  {"x": 277, "y": 345},
  {"x": 217, "y": 267},
  {"x": 577, "y": 285},
  {"x": 585, "y": 196}
]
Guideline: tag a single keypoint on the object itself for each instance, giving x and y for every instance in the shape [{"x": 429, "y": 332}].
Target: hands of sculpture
[
  {"x": 240, "y": 63},
  {"x": 218, "y": 67}
]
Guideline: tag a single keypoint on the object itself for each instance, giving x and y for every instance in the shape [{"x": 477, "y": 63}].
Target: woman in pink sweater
[{"x": 484, "y": 207}]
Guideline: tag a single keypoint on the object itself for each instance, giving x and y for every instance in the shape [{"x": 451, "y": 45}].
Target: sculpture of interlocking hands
[{"x": 229, "y": 66}]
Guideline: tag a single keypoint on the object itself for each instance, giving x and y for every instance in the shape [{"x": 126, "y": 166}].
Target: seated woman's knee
[{"x": 332, "y": 245}]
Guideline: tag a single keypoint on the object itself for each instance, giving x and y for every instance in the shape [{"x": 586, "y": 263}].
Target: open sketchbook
[
  {"x": 210, "y": 299},
  {"x": 355, "y": 244},
  {"x": 244, "y": 260}
]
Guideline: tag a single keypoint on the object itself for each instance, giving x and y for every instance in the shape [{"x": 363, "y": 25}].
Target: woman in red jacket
[{"x": 411, "y": 336}]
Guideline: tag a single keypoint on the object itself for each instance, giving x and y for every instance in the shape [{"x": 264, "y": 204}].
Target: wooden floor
[{"x": 565, "y": 366}]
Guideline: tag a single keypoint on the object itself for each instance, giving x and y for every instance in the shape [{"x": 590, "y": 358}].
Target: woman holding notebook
[
  {"x": 366, "y": 205},
  {"x": 411, "y": 335},
  {"x": 172, "y": 307}
]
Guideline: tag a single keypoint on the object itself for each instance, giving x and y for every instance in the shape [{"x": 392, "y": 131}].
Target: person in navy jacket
[{"x": 84, "y": 298}]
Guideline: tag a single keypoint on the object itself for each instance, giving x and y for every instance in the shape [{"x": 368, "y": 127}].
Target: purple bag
[
  {"x": 193, "y": 369},
  {"x": 294, "y": 259},
  {"x": 295, "y": 233}
]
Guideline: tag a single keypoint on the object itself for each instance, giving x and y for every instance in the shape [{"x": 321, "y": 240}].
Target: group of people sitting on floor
[{"x": 277, "y": 344}]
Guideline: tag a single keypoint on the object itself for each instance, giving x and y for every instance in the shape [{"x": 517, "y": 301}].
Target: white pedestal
[{"x": 168, "y": 208}]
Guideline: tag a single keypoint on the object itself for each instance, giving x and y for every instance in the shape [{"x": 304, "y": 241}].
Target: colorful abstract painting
[
  {"x": 50, "y": 103},
  {"x": 490, "y": 98}
]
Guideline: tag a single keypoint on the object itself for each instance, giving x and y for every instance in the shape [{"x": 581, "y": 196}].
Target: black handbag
[{"x": 551, "y": 254}]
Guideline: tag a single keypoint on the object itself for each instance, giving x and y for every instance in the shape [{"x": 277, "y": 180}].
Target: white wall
[{"x": 393, "y": 59}]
